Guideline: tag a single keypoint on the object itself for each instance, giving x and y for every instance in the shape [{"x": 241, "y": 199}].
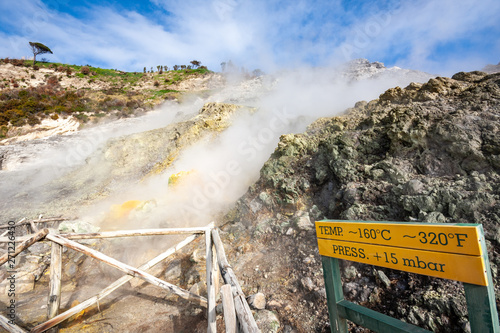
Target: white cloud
[
  {"x": 257, "y": 33},
  {"x": 418, "y": 32}
]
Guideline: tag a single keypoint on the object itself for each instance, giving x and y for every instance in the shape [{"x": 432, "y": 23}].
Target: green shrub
[
  {"x": 33, "y": 106},
  {"x": 14, "y": 114},
  {"x": 33, "y": 120},
  {"x": 70, "y": 96},
  {"x": 79, "y": 108},
  {"x": 59, "y": 109},
  {"x": 82, "y": 117},
  {"x": 17, "y": 62},
  {"x": 85, "y": 70},
  {"x": 4, "y": 119},
  {"x": 52, "y": 80},
  {"x": 3, "y": 131},
  {"x": 18, "y": 122}
]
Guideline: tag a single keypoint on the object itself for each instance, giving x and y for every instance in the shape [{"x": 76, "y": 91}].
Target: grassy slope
[{"x": 82, "y": 91}]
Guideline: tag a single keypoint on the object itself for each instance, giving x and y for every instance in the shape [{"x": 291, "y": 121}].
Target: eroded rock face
[
  {"x": 359, "y": 69},
  {"x": 427, "y": 153},
  {"x": 128, "y": 158},
  {"x": 490, "y": 69},
  {"x": 153, "y": 151}
]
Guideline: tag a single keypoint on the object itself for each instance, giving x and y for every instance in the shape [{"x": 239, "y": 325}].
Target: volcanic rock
[
  {"x": 427, "y": 153},
  {"x": 267, "y": 321}
]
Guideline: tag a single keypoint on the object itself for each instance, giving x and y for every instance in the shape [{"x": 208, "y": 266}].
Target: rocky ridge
[
  {"x": 490, "y": 69},
  {"x": 360, "y": 69},
  {"x": 425, "y": 153}
]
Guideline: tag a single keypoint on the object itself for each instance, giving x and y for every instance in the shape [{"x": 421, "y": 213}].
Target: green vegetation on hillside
[{"x": 93, "y": 92}]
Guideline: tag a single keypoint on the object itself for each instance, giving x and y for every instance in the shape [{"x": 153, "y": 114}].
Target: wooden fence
[{"x": 237, "y": 314}]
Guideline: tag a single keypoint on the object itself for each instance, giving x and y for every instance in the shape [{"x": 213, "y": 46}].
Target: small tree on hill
[
  {"x": 38, "y": 48},
  {"x": 196, "y": 63}
]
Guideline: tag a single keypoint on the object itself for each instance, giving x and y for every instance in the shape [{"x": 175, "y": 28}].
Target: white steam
[
  {"x": 221, "y": 169},
  {"x": 217, "y": 170}
]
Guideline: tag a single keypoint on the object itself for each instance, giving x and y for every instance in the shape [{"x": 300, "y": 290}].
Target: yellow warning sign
[{"x": 445, "y": 251}]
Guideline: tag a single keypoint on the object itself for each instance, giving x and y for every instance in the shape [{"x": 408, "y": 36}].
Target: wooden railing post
[
  {"x": 54, "y": 301},
  {"x": 212, "y": 325},
  {"x": 228, "y": 307},
  {"x": 245, "y": 317}
]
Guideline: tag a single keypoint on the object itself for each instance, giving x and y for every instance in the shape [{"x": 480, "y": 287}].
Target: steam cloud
[
  {"x": 217, "y": 169},
  {"x": 221, "y": 168}
]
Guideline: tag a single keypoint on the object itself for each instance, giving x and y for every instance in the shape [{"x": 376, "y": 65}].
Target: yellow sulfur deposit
[
  {"x": 119, "y": 211},
  {"x": 80, "y": 314},
  {"x": 177, "y": 177}
]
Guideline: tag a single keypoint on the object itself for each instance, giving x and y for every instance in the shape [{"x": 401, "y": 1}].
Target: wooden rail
[
  {"x": 131, "y": 233},
  {"x": 229, "y": 312},
  {"x": 211, "y": 276},
  {"x": 109, "y": 289},
  {"x": 26, "y": 221},
  {"x": 24, "y": 245},
  {"x": 121, "y": 233},
  {"x": 245, "y": 317},
  {"x": 216, "y": 265},
  {"x": 4, "y": 322},
  {"x": 55, "y": 282}
]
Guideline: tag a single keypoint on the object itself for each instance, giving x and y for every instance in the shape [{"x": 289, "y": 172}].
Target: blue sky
[{"x": 441, "y": 37}]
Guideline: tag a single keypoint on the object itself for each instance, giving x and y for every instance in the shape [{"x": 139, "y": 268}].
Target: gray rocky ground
[{"x": 424, "y": 153}]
